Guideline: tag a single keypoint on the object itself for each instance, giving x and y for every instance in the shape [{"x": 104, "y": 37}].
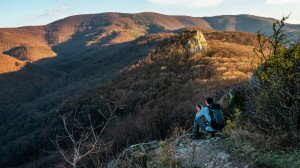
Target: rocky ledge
[{"x": 181, "y": 152}]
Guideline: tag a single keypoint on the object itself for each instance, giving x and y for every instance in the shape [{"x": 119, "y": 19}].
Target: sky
[{"x": 16, "y": 13}]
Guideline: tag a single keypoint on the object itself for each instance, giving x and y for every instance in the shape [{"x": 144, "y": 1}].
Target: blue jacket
[{"x": 204, "y": 112}]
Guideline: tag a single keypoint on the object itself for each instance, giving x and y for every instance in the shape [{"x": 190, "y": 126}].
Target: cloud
[
  {"x": 53, "y": 11},
  {"x": 187, "y": 3},
  {"x": 276, "y": 2}
]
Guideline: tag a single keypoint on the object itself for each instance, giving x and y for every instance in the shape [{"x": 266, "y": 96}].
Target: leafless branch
[{"x": 83, "y": 140}]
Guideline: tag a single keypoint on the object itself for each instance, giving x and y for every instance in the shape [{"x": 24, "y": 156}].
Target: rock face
[
  {"x": 188, "y": 42},
  {"x": 203, "y": 153},
  {"x": 195, "y": 41}
]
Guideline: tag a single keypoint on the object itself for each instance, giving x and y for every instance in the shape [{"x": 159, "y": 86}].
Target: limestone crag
[
  {"x": 195, "y": 41},
  {"x": 188, "y": 42}
]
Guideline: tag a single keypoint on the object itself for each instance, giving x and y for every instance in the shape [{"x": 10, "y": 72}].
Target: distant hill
[
  {"x": 25, "y": 44},
  {"x": 84, "y": 32},
  {"x": 247, "y": 23}
]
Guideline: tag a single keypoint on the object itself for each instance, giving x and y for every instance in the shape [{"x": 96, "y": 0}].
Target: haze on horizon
[{"x": 17, "y": 13}]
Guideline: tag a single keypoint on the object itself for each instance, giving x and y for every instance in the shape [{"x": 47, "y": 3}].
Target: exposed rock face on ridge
[
  {"x": 192, "y": 40},
  {"x": 196, "y": 41},
  {"x": 188, "y": 42},
  {"x": 181, "y": 45}
]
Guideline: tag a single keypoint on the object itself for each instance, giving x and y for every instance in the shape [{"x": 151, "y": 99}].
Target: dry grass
[
  {"x": 25, "y": 43},
  {"x": 230, "y": 59},
  {"x": 10, "y": 64}
]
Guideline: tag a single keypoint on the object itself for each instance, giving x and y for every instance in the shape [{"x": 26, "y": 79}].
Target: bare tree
[{"x": 83, "y": 141}]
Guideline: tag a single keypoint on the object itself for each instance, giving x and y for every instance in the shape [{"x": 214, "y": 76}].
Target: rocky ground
[{"x": 181, "y": 152}]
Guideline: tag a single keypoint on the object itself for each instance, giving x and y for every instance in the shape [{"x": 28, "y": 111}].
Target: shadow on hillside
[
  {"x": 50, "y": 74},
  {"x": 29, "y": 97}
]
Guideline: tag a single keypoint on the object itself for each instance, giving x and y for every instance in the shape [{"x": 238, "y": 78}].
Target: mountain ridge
[{"x": 92, "y": 30}]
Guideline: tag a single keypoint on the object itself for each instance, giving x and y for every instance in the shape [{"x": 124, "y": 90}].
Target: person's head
[{"x": 209, "y": 101}]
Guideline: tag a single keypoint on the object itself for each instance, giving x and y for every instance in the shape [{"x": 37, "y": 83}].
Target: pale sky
[{"x": 14, "y": 13}]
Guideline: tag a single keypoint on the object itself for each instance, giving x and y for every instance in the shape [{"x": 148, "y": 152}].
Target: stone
[{"x": 195, "y": 41}]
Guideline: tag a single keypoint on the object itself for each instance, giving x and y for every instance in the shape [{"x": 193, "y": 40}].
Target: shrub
[
  {"x": 268, "y": 115},
  {"x": 278, "y": 100}
]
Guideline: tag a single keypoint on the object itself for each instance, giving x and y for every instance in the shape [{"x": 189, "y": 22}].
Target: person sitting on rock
[{"x": 209, "y": 118}]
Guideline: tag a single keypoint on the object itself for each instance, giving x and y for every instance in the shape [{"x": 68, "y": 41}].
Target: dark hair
[{"x": 209, "y": 100}]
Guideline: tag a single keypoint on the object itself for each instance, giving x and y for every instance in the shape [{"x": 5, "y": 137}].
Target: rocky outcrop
[
  {"x": 181, "y": 152},
  {"x": 188, "y": 42},
  {"x": 195, "y": 41}
]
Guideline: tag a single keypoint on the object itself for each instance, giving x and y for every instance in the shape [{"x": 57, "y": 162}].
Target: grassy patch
[
  {"x": 257, "y": 158},
  {"x": 279, "y": 159}
]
